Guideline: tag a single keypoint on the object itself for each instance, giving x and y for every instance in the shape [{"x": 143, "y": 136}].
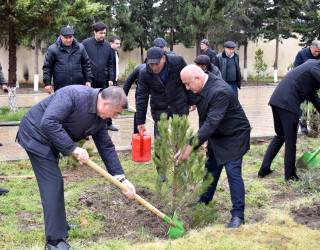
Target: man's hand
[
  {"x": 205, "y": 146},
  {"x": 88, "y": 84},
  {"x": 183, "y": 156},
  {"x": 5, "y": 88},
  {"x": 110, "y": 83},
  {"x": 81, "y": 155},
  {"x": 141, "y": 127},
  {"x": 192, "y": 107},
  {"x": 48, "y": 89},
  {"x": 131, "y": 190}
]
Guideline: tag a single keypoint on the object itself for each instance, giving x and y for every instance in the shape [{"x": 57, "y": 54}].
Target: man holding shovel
[
  {"x": 225, "y": 126},
  {"x": 300, "y": 83},
  {"x": 51, "y": 127}
]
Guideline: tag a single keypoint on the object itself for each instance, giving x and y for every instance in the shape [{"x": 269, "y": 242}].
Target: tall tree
[
  {"x": 278, "y": 16},
  {"x": 308, "y": 22},
  {"x": 196, "y": 17},
  {"x": 247, "y": 22}
]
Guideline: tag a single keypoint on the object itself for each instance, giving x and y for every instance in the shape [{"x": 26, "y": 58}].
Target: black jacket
[
  {"x": 133, "y": 77},
  {"x": 300, "y": 83},
  {"x": 68, "y": 115},
  {"x": 211, "y": 54},
  {"x": 101, "y": 61},
  {"x": 222, "y": 121},
  {"x": 214, "y": 70},
  {"x": 173, "y": 97},
  {"x": 66, "y": 68},
  {"x": 221, "y": 63},
  {"x": 304, "y": 55}
]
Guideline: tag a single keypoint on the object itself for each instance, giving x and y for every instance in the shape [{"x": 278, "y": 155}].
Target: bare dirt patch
[{"x": 308, "y": 215}]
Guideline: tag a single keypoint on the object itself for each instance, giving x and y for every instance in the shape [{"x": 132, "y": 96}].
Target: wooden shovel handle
[{"x": 124, "y": 188}]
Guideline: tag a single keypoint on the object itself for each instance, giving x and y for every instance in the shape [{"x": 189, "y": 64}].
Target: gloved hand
[{"x": 131, "y": 190}]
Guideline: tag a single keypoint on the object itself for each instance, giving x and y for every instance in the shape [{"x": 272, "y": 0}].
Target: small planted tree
[
  {"x": 259, "y": 65},
  {"x": 184, "y": 182}
]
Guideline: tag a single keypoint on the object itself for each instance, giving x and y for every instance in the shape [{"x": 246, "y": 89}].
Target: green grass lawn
[{"x": 269, "y": 223}]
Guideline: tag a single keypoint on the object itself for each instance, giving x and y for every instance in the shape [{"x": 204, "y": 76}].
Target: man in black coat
[
  {"x": 133, "y": 77},
  {"x": 205, "y": 50},
  {"x": 115, "y": 43},
  {"x": 228, "y": 63},
  {"x": 225, "y": 126},
  {"x": 100, "y": 54},
  {"x": 51, "y": 127},
  {"x": 67, "y": 62},
  {"x": 160, "y": 80},
  {"x": 312, "y": 52},
  {"x": 300, "y": 83}
]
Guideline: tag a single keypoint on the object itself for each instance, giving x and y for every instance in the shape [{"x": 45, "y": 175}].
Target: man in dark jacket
[
  {"x": 133, "y": 77},
  {"x": 51, "y": 127},
  {"x": 115, "y": 43},
  {"x": 4, "y": 87},
  {"x": 225, "y": 126},
  {"x": 205, "y": 50},
  {"x": 161, "y": 80},
  {"x": 228, "y": 63},
  {"x": 161, "y": 43},
  {"x": 203, "y": 61},
  {"x": 312, "y": 52},
  {"x": 300, "y": 83},
  {"x": 100, "y": 54},
  {"x": 67, "y": 62}
]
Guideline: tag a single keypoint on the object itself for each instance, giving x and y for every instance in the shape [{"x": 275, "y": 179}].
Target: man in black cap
[
  {"x": 67, "y": 62},
  {"x": 161, "y": 80},
  {"x": 203, "y": 61},
  {"x": 161, "y": 43},
  {"x": 228, "y": 63},
  {"x": 205, "y": 50}
]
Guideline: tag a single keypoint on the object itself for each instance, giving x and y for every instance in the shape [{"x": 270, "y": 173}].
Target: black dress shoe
[
  {"x": 62, "y": 245},
  {"x": 3, "y": 191},
  {"x": 112, "y": 128},
  {"x": 0, "y": 144},
  {"x": 262, "y": 174},
  {"x": 235, "y": 222},
  {"x": 294, "y": 178}
]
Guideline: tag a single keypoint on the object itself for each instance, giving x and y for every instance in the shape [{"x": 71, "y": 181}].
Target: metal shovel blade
[{"x": 176, "y": 232}]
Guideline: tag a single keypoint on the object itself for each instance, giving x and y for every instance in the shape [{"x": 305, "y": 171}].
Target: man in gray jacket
[{"x": 51, "y": 127}]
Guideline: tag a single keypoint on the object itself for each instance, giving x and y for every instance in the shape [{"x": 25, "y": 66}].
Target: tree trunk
[
  {"x": 245, "y": 60},
  {"x": 141, "y": 53},
  {"x": 171, "y": 39},
  {"x": 36, "y": 64},
  {"x": 12, "y": 68},
  {"x": 277, "y": 54}
]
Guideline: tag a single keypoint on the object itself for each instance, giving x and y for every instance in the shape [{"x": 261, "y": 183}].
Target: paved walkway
[{"x": 254, "y": 101}]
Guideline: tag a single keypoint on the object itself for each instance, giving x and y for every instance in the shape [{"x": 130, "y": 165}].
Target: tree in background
[
  {"x": 259, "y": 65},
  {"x": 278, "y": 24},
  {"x": 247, "y": 23},
  {"x": 197, "y": 17},
  {"x": 307, "y": 23}
]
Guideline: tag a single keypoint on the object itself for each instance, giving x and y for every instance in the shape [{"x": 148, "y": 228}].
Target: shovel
[
  {"x": 310, "y": 160},
  {"x": 176, "y": 227}
]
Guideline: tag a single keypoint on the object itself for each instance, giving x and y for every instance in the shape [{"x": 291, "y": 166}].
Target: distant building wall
[{"x": 287, "y": 52}]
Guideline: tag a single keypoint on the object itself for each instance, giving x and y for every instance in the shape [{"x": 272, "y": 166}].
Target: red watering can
[{"x": 141, "y": 147}]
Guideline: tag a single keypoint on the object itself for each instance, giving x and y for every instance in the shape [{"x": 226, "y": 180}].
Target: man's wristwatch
[{"x": 122, "y": 179}]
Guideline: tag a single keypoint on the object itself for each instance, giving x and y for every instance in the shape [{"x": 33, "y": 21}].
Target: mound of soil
[{"x": 309, "y": 216}]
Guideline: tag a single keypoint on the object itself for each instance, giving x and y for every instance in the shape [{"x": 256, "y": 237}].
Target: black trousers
[
  {"x": 286, "y": 128},
  {"x": 51, "y": 189}
]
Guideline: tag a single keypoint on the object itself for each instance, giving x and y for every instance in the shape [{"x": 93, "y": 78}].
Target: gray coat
[
  {"x": 68, "y": 115},
  {"x": 221, "y": 63}
]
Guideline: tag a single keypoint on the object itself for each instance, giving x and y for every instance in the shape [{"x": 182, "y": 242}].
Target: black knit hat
[{"x": 205, "y": 41}]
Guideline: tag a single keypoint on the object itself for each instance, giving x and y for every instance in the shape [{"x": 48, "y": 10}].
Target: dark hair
[
  {"x": 116, "y": 96},
  {"x": 99, "y": 26},
  {"x": 113, "y": 38}
]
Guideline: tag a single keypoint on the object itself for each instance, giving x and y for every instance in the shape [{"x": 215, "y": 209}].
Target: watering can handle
[{"x": 124, "y": 188}]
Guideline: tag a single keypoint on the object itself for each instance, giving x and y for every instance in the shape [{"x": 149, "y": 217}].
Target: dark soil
[{"x": 309, "y": 216}]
